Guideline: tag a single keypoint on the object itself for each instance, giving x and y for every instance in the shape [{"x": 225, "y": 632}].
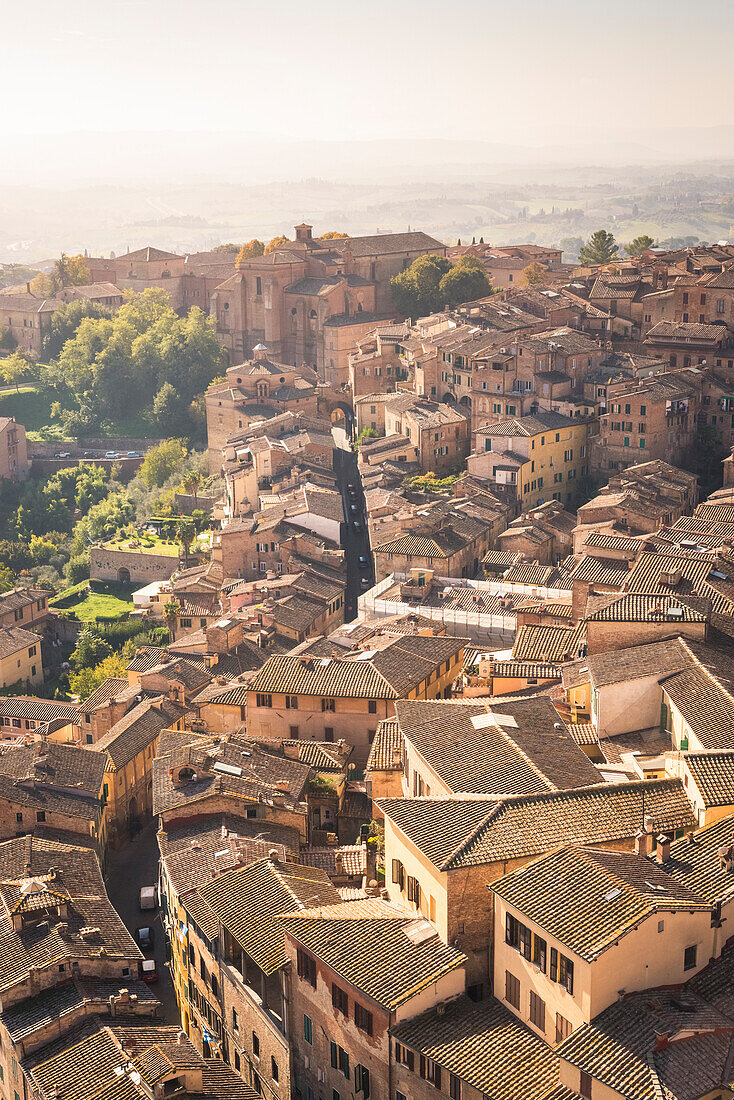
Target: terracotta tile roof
[
  {"x": 465, "y": 832},
  {"x": 69, "y": 871},
  {"x": 38, "y": 710},
  {"x": 386, "y": 753},
  {"x": 52, "y": 1005},
  {"x": 619, "y": 1048},
  {"x": 548, "y": 643},
  {"x": 535, "y": 424},
  {"x": 484, "y": 1045},
  {"x": 108, "y": 689},
  {"x": 588, "y": 898},
  {"x": 15, "y": 638},
  {"x": 367, "y": 943},
  {"x": 511, "y": 749},
  {"x": 713, "y": 773},
  {"x": 583, "y": 733},
  {"x": 190, "y": 769},
  {"x": 248, "y": 900},
  {"x": 612, "y": 542},
  {"x": 65, "y": 766},
  {"x": 525, "y": 670},
  {"x": 353, "y": 859},
  {"x": 642, "y": 608},
  {"x": 703, "y": 692},
  {"x": 679, "y": 330},
  {"x": 653, "y": 659},
  {"x": 137, "y": 729},
  {"x": 600, "y": 571},
  {"x": 533, "y": 573},
  {"x": 387, "y": 673},
  {"x": 208, "y": 832}
]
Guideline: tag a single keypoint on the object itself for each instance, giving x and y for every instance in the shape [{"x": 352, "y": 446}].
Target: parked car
[
  {"x": 365, "y": 582},
  {"x": 362, "y": 561},
  {"x": 145, "y": 938},
  {"x": 88, "y": 454},
  {"x": 111, "y": 454},
  {"x": 148, "y": 970},
  {"x": 354, "y": 509},
  {"x": 148, "y": 897},
  {"x": 356, "y": 525},
  {"x": 63, "y": 454},
  {"x": 133, "y": 454},
  {"x": 352, "y": 490}
]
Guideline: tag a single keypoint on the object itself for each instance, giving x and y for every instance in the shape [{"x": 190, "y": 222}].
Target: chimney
[
  {"x": 338, "y": 863},
  {"x": 663, "y": 851},
  {"x": 643, "y": 842},
  {"x": 273, "y": 856}
]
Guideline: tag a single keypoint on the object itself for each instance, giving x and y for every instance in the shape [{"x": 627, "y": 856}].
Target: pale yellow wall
[
  {"x": 433, "y": 883},
  {"x": 642, "y": 959},
  {"x": 20, "y": 665},
  {"x": 627, "y": 706}
]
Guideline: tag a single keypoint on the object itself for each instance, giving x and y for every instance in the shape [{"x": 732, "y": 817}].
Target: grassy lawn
[
  {"x": 31, "y": 406},
  {"x": 89, "y": 605},
  {"x": 145, "y": 544},
  {"x": 97, "y": 605}
]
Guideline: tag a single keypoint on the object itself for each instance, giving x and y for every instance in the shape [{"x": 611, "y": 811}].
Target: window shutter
[
  {"x": 334, "y": 1058},
  {"x": 423, "y": 1066}
]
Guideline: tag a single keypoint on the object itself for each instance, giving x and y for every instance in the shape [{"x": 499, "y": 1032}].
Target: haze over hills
[{"x": 189, "y": 191}]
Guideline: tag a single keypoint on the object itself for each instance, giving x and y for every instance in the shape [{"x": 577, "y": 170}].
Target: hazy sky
[{"x": 505, "y": 71}]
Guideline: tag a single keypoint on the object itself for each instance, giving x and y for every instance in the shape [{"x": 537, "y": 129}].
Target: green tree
[
  {"x": 601, "y": 248},
  {"x": 250, "y": 250},
  {"x": 639, "y": 244},
  {"x": 66, "y": 321},
  {"x": 170, "y": 411},
  {"x": 87, "y": 680},
  {"x": 230, "y": 246},
  {"x": 171, "y": 611},
  {"x": 534, "y": 275},
  {"x": 415, "y": 291},
  {"x": 191, "y": 484},
  {"x": 185, "y": 533},
  {"x": 275, "y": 243},
  {"x": 162, "y": 462},
  {"x": 7, "y": 340},
  {"x": 89, "y": 650},
  {"x": 14, "y": 368},
  {"x": 77, "y": 568},
  {"x": 467, "y": 280}
]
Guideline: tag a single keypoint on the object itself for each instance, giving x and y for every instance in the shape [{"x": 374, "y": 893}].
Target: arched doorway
[
  {"x": 448, "y": 399},
  {"x": 123, "y": 575}
]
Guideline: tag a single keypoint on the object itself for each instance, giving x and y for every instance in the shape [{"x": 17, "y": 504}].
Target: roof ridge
[{"x": 471, "y": 835}]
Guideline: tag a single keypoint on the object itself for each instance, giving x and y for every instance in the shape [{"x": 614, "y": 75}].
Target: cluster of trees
[
  {"x": 145, "y": 358},
  {"x": 601, "y": 248},
  {"x": 66, "y": 271},
  {"x": 254, "y": 248},
  {"x": 432, "y": 282}
]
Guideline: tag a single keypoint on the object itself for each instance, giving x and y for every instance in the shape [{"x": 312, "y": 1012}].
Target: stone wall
[{"x": 105, "y": 565}]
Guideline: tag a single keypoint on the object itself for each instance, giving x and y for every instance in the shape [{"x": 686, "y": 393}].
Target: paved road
[
  {"x": 354, "y": 543},
  {"x": 131, "y": 867}
]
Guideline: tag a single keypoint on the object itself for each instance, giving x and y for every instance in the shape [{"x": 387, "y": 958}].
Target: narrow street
[
  {"x": 128, "y": 869},
  {"x": 356, "y": 544}
]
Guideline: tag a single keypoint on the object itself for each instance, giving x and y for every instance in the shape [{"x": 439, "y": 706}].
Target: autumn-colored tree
[
  {"x": 66, "y": 271},
  {"x": 250, "y": 250},
  {"x": 534, "y": 274},
  {"x": 277, "y": 242},
  {"x": 332, "y": 235}
]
